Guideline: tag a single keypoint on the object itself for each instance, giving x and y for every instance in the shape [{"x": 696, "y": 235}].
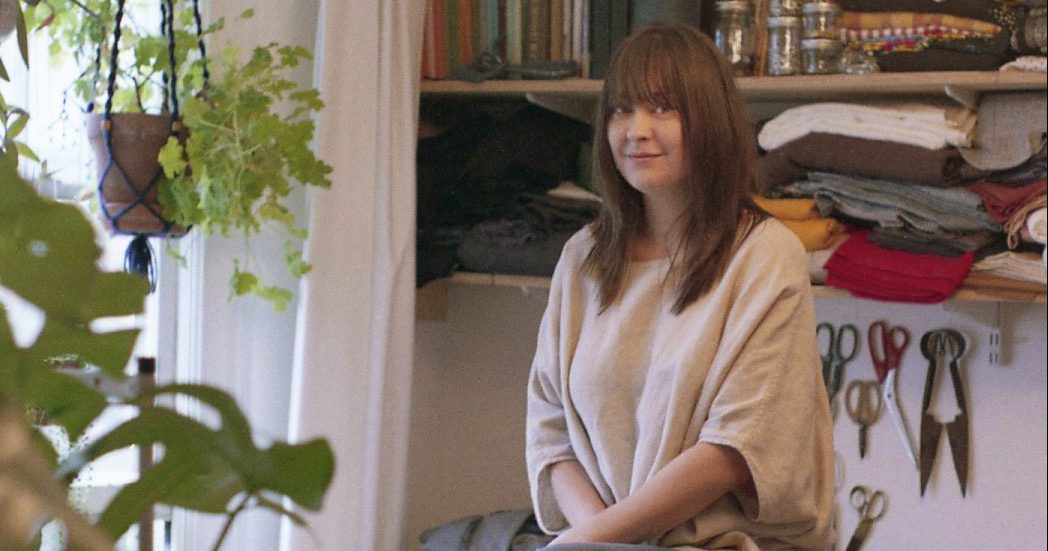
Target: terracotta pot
[{"x": 137, "y": 139}]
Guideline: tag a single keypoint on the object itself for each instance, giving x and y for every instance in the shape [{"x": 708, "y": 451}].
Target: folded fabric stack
[
  {"x": 946, "y": 183},
  {"x": 870, "y": 271},
  {"x": 801, "y": 216},
  {"x": 932, "y": 35},
  {"x": 530, "y": 240}
]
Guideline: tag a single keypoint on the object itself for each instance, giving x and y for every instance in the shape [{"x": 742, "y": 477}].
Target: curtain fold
[{"x": 355, "y": 326}]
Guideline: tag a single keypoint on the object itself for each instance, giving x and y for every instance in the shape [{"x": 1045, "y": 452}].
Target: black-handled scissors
[
  {"x": 944, "y": 348},
  {"x": 871, "y": 507},
  {"x": 836, "y": 353},
  {"x": 863, "y": 402}
]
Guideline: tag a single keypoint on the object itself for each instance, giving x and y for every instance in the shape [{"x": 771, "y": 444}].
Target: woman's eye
[{"x": 660, "y": 110}]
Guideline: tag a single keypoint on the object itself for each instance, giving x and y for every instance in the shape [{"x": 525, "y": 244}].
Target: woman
[{"x": 675, "y": 396}]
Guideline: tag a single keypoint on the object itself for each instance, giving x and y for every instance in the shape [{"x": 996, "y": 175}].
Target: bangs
[{"x": 642, "y": 74}]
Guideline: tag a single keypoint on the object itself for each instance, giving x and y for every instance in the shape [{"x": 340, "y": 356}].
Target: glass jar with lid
[
  {"x": 821, "y": 19},
  {"x": 821, "y": 56},
  {"x": 779, "y": 8},
  {"x": 784, "y": 45},
  {"x": 734, "y": 34}
]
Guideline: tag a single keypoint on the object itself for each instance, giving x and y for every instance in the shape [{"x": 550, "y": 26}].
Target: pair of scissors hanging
[
  {"x": 871, "y": 506},
  {"x": 862, "y": 401},
  {"x": 887, "y": 345},
  {"x": 836, "y": 354},
  {"x": 943, "y": 348}
]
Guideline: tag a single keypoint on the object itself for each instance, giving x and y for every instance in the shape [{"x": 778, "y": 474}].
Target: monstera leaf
[
  {"x": 207, "y": 469},
  {"x": 49, "y": 258}
]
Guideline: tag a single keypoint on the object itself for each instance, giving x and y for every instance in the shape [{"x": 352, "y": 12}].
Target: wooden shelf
[
  {"x": 819, "y": 291},
  {"x": 788, "y": 88}
]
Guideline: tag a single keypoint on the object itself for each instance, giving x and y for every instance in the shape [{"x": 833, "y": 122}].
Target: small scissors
[
  {"x": 887, "y": 345},
  {"x": 863, "y": 403},
  {"x": 871, "y": 507},
  {"x": 834, "y": 359}
]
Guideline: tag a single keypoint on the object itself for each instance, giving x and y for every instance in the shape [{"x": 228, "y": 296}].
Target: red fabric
[
  {"x": 871, "y": 271},
  {"x": 1002, "y": 201}
]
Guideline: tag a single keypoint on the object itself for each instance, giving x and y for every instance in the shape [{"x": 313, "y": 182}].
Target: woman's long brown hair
[{"x": 678, "y": 67}]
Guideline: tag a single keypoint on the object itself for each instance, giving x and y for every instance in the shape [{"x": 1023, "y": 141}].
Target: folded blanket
[
  {"x": 870, "y": 271},
  {"x": 815, "y": 234},
  {"x": 788, "y": 209},
  {"x": 857, "y": 21},
  {"x": 1010, "y": 129},
  {"x": 1023, "y": 266},
  {"x": 983, "y": 10},
  {"x": 922, "y": 125},
  {"x": 1002, "y": 201},
  {"x": 817, "y": 259},
  {"x": 881, "y": 159}
]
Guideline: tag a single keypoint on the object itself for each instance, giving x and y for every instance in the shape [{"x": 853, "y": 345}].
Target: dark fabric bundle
[{"x": 870, "y": 158}]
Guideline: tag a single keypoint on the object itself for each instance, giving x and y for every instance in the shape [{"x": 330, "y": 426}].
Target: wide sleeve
[
  {"x": 767, "y": 399},
  {"x": 547, "y": 436}
]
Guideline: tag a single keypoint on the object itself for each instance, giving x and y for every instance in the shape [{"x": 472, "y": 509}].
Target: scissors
[
  {"x": 863, "y": 402},
  {"x": 835, "y": 357},
  {"x": 942, "y": 347},
  {"x": 887, "y": 344},
  {"x": 871, "y": 507}
]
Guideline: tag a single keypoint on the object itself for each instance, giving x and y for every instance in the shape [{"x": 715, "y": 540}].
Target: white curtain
[{"x": 352, "y": 375}]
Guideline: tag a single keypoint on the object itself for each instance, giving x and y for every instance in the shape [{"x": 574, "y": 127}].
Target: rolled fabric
[
  {"x": 1037, "y": 225},
  {"x": 983, "y": 10},
  {"x": 815, "y": 234},
  {"x": 1017, "y": 223},
  {"x": 788, "y": 209}
]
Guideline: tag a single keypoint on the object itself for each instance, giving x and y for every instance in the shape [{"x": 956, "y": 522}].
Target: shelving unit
[{"x": 766, "y": 96}]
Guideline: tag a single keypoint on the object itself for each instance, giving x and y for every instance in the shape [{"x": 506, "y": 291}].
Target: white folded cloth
[
  {"x": 1014, "y": 265},
  {"x": 922, "y": 125}
]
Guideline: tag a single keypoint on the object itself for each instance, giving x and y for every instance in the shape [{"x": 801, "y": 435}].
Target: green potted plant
[
  {"x": 241, "y": 145},
  {"x": 46, "y": 245}
]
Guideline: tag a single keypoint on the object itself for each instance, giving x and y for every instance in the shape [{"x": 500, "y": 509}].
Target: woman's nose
[{"x": 639, "y": 125}]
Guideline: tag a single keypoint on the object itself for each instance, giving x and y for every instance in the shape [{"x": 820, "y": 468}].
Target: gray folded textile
[
  {"x": 891, "y": 204},
  {"x": 513, "y": 530},
  {"x": 1010, "y": 129}
]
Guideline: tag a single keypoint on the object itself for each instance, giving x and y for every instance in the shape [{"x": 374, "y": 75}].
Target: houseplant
[
  {"x": 45, "y": 245},
  {"x": 248, "y": 128}
]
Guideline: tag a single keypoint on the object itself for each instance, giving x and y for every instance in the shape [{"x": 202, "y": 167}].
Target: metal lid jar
[
  {"x": 734, "y": 34},
  {"x": 778, "y": 8},
  {"x": 784, "y": 45},
  {"x": 821, "y": 56},
  {"x": 821, "y": 19}
]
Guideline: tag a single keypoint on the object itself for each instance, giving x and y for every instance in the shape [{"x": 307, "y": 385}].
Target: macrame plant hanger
[{"x": 139, "y": 257}]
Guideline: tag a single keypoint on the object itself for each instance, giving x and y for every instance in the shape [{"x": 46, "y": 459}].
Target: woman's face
[{"x": 647, "y": 143}]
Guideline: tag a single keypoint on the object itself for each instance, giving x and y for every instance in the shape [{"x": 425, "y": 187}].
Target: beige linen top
[{"x": 624, "y": 392}]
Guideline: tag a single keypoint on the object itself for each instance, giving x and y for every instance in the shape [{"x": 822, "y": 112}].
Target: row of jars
[{"x": 803, "y": 37}]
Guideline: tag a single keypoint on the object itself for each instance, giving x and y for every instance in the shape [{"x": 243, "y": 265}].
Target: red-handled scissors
[{"x": 887, "y": 345}]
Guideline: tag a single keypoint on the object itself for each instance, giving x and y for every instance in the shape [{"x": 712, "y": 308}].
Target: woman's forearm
[
  {"x": 680, "y": 491},
  {"x": 575, "y": 495}
]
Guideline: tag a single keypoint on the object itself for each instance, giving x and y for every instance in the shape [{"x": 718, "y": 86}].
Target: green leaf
[{"x": 172, "y": 158}]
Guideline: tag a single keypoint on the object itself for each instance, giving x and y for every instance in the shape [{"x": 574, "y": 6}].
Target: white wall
[{"x": 471, "y": 370}]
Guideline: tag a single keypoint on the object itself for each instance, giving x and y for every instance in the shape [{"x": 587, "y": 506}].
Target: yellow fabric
[
  {"x": 788, "y": 209},
  {"x": 815, "y": 234}
]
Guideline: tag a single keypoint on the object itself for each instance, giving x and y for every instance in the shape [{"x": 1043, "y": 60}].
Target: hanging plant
[{"x": 248, "y": 148}]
